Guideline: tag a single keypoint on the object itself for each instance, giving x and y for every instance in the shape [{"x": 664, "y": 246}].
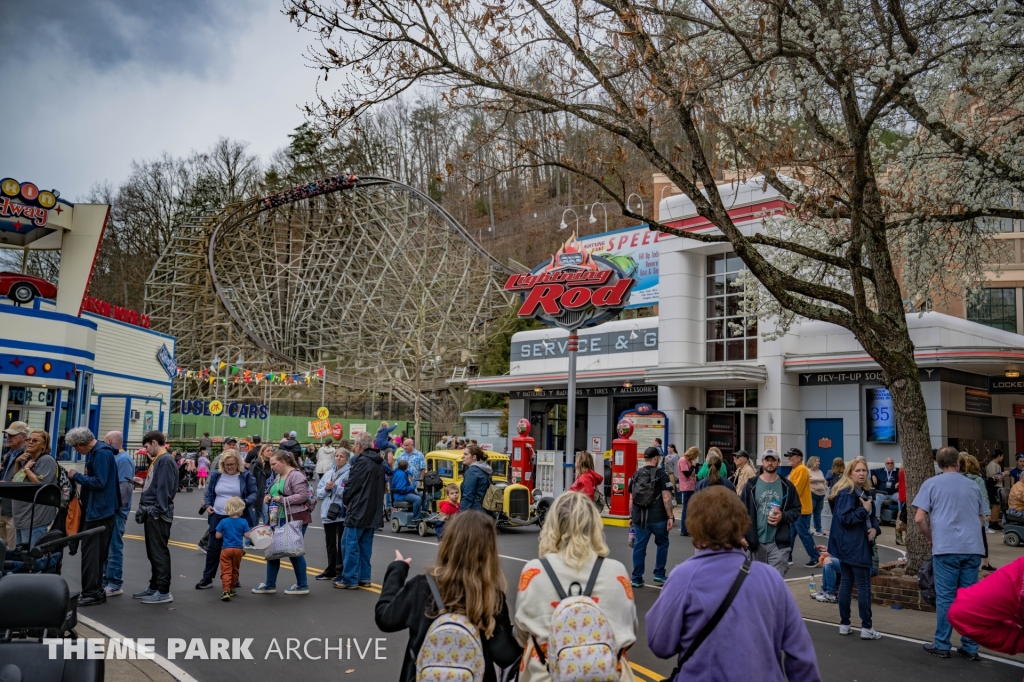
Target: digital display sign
[{"x": 880, "y": 416}]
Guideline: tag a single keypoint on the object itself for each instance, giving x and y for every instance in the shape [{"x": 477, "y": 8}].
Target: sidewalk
[
  {"x": 115, "y": 670},
  {"x": 917, "y": 625}
]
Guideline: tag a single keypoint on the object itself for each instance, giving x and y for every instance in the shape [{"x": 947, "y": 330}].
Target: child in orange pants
[{"x": 234, "y": 529}]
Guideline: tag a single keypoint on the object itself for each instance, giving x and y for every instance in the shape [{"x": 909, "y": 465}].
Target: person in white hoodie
[
  {"x": 572, "y": 540},
  {"x": 325, "y": 458}
]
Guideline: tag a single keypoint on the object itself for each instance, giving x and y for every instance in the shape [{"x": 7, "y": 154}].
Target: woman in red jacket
[{"x": 587, "y": 480}]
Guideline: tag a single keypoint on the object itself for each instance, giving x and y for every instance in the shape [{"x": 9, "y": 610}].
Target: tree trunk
[{"x": 904, "y": 383}]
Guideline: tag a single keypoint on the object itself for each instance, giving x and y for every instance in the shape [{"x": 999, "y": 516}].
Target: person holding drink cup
[{"x": 773, "y": 504}]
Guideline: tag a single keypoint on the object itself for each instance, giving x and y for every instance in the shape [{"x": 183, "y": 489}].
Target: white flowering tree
[{"x": 891, "y": 127}]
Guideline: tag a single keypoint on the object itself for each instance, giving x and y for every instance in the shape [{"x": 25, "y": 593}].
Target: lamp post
[
  {"x": 215, "y": 366},
  {"x": 638, "y": 198},
  {"x": 593, "y": 220},
  {"x": 564, "y": 224}
]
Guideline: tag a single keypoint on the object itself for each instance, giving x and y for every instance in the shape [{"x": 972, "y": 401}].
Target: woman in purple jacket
[{"x": 763, "y": 614}]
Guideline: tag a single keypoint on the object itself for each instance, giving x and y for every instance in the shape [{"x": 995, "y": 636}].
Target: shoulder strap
[
  {"x": 593, "y": 576},
  {"x": 436, "y": 592},
  {"x": 554, "y": 578},
  {"x": 719, "y": 614}
]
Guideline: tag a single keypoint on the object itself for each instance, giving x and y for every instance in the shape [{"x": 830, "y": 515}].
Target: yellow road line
[
  {"x": 644, "y": 671},
  {"x": 373, "y": 587}
]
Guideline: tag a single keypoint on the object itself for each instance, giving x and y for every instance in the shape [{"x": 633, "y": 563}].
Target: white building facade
[{"x": 814, "y": 389}]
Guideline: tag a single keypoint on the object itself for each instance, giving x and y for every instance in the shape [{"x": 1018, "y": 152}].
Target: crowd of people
[{"x": 743, "y": 522}]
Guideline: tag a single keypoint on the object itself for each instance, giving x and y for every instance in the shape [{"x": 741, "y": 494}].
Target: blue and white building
[{"x": 62, "y": 366}]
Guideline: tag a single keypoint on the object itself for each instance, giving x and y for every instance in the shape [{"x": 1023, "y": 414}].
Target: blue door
[{"x": 825, "y": 440}]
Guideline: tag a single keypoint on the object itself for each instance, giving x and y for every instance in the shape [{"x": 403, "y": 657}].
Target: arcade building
[
  {"x": 68, "y": 360},
  {"x": 685, "y": 376}
]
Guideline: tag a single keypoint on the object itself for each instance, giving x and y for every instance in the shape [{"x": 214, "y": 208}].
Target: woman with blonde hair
[
  {"x": 469, "y": 581},
  {"x": 854, "y": 529},
  {"x": 819, "y": 488},
  {"x": 723, "y": 469},
  {"x": 687, "y": 474},
  {"x": 573, "y": 547}
]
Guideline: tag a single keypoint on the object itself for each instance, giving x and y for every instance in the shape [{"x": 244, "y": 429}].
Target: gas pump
[
  {"x": 522, "y": 455},
  {"x": 623, "y": 467}
]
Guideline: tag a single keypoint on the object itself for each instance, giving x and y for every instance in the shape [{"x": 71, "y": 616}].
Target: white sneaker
[
  {"x": 989, "y": 531},
  {"x": 112, "y": 591},
  {"x": 825, "y": 598},
  {"x": 870, "y": 633},
  {"x": 844, "y": 629}
]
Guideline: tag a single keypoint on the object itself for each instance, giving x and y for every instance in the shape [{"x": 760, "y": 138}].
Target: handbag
[
  {"x": 335, "y": 508},
  {"x": 288, "y": 541},
  {"x": 711, "y": 624}
]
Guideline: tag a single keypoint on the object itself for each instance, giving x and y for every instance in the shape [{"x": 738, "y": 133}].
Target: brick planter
[{"x": 891, "y": 587}]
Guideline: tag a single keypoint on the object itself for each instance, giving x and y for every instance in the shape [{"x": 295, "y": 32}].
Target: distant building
[{"x": 482, "y": 425}]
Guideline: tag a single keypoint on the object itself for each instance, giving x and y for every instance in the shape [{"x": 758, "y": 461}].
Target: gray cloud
[{"x": 166, "y": 35}]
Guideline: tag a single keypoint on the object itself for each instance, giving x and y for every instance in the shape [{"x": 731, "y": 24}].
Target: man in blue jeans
[
  {"x": 113, "y": 574},
  {"x": 650, "y": 514},
  {"x": 951, "y": 516},
  {"x": 363, "y": 500}
]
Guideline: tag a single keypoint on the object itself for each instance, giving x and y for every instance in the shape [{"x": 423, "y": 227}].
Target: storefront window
[
  {"x": 730, "y": 336},
  {"x": 995, "y": 308},
  {"x": 716, "y": 399}
]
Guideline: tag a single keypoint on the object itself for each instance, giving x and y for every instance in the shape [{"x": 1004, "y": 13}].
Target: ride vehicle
[
  {"x": 22, "y": 289},
  {"x": 1013, "y": 528},
  {"x": 511, "y": 504}
]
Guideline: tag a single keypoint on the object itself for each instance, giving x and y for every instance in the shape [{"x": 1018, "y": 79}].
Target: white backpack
[
  {"x": 581, "y": 643},
  {"x": 452, "y": 650}
]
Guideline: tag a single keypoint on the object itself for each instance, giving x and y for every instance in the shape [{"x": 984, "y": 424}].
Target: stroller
[{"x": 188, "y": 479}]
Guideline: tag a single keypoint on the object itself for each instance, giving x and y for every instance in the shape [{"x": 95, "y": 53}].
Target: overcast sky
[{"x": 89, "y": 85}]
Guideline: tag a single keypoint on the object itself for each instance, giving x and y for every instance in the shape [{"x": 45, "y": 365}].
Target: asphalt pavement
[{"x": 296, "y": 621}]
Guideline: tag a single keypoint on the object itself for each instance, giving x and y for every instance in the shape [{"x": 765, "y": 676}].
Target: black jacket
[
  {"x": 364, "y": 493},
  {"x": 790, "y": 512},
  {"x": 261, "y": 473},
  {"x": 162, "y": 488},
  {"x": 292, "y": 446},
  {"x": 403, "y": 605}
]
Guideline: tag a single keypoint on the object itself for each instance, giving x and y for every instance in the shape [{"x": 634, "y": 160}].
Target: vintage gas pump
[
  {"x": 522, "y": 455},
  {"x": 623, "y": 467}
]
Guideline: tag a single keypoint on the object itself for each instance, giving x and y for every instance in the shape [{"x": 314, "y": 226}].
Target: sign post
[
  {"x": 570, "y": 424},
  {"x": 572, "y": 289}
]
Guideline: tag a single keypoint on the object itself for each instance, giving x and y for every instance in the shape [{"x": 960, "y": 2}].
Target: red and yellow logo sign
[
  {"x": 25, "y": 200},
  {"x": 573, "y": 289}
]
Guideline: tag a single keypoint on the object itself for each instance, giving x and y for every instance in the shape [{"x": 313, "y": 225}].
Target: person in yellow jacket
[{"x": 800, "y": 477}]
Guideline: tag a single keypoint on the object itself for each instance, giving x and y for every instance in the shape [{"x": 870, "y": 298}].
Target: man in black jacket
[
  {"x": 292, "y": 445},
  {"x": 773, "y": 504},
  {"x": 364, "y": 504},
  {"x": 156, "y": 507}
]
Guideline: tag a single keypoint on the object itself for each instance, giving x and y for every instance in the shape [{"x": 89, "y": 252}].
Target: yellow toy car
[{"x": 511, "y": 504}]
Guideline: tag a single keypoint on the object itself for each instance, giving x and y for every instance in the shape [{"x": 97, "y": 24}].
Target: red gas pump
[
  {"x": 623, "y": 467},
  {"x": 522, "y": 454}
]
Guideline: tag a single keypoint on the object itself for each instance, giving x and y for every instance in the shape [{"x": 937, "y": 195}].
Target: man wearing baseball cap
[
  {"x": 230, "y": 443},
  {"x": 800, "y": 477},
  {"x": 15, "y": 436},
  {"x": 773, "y": 505}
]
